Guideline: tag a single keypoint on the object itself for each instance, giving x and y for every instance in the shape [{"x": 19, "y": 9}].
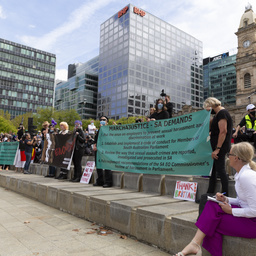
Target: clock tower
[{"x": 246, "y": 59}]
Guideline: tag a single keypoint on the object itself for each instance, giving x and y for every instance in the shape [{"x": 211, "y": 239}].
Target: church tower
[{"x": 246, "y": 58}]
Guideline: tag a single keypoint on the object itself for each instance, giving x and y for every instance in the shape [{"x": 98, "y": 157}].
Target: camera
[{"x": 163, "y": 94}]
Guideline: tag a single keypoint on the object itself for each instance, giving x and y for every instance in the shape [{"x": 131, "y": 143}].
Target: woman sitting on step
[{"x": 233, "y": 216}]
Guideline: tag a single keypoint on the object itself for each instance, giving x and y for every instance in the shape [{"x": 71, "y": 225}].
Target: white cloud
[
  {"x": 212, "y": 22},
  {"x": 61, "y": 74},
  {"x": 75, "y": 21},
  {"x": 2, "y": 15},
  {"x": 32, "y": 26}
]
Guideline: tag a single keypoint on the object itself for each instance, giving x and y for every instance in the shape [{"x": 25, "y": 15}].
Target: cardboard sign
[
  {"x": 185, "y": 190},
  {"x": 87, "y": 172}
]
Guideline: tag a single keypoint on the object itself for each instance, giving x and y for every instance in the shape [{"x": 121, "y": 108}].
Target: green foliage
[
  {"x": 5, "y": 114},
  {"x": 18, "y": 119},
  {"x": 59, "y": 116},
  {"x": 6, "y": 125},
  {"x": 69, "y": 116}
]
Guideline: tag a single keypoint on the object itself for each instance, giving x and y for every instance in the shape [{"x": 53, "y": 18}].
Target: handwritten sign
[
  {"x": 185, "y": 190},
  {"x": 87, "y": 172}
]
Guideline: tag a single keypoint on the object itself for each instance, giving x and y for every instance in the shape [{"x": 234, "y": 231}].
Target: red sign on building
[
  {"x": 123, "y": 11},
  {"x": 139, "y": 12}
]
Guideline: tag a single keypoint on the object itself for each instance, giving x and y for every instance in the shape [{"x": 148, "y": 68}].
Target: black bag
[
  {"x": 249, "y": 132},
  {"x": 202, "y": 203}
]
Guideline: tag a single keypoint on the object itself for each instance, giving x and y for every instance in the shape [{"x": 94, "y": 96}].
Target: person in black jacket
[
  {"x": 160, "y": 112},
  {"x": 78, "y": 151},
  {"x": 108, "y": 173},
  {"x": 169, "y": 105}
]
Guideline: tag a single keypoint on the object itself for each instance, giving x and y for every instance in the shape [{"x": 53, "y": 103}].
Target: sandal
[{"x": 199, "y": 252}]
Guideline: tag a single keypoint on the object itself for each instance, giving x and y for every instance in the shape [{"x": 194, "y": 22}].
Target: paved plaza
[{"x": 30, "y": 228}]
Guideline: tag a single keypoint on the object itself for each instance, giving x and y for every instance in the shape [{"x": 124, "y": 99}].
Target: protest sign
[
  {"x": 8, "y": 152},
  {"x": 185, "y": 190},
  {"x": 87, "y": 172},
  {"x": 58, "y": 150},
  {"x": 180, "y": 146}
]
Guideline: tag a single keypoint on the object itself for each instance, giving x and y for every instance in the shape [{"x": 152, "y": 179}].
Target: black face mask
[
  {"x": 252, "y": 113},
  {"x": 213, "y": 112}
]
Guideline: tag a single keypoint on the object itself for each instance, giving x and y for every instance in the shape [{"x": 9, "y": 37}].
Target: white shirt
[
  {"x": 246, "y": 193},
  {"x": 64, "y": 132},
  {"x": 91, "y": 129}
]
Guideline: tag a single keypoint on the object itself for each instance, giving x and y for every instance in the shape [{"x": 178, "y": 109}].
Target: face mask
[
  {"x": 103, "y": 122},
  {"x": 252, "y": 113},
  {"x": 160, "y": 105},
  {"x": 92, "y": 123},
  {"x": 212, "y": 112},
  {"x": 77, "y": 126}
]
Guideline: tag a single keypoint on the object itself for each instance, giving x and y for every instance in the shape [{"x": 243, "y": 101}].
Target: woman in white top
[{"x": 234, "y": 216}]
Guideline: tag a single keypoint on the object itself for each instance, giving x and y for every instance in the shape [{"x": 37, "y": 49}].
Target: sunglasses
[
  {"x": 229, "y": 154},
  {"x": 103, "y": 119}
]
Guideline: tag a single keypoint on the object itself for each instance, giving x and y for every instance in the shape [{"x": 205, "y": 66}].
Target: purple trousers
[{"x": 215, "y": 223}]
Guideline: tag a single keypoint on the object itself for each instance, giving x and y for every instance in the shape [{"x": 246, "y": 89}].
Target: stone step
[{"x": 149, "y": 216}]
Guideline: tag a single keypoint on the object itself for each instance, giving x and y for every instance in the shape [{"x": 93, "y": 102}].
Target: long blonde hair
[{"x": 245, "y": 152}]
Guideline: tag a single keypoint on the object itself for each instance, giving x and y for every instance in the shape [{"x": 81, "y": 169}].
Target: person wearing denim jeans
[{"x": 28, "y": 151}]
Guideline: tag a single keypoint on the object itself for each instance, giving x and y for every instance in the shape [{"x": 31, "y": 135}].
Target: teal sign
[
  {"x": 178, "y": 146},
  {"x": 8, "y": 152}
]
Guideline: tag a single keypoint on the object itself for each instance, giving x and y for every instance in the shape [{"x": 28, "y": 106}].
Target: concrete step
[{"x": 149, "y": 216}]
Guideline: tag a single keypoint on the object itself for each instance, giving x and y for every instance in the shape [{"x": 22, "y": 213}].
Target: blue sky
[{"x": 71, "y": 28}]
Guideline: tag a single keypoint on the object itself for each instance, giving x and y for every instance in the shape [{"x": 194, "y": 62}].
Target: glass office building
[
  {"x": 80, "y": 91},
  {"x": 220, "y": 78},
  {"x": 140, "y": 55},
  {"x": 27, "y": 78}
]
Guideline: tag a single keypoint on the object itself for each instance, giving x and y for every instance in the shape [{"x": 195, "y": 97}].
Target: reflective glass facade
[
  {"x": 80, "y": 91},
  {"x": 140, "y": 55},
  {"x": 27, "y": 78},
  {"x": 220, "y": 78}
]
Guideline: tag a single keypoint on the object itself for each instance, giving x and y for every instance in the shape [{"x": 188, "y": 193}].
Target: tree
[
  {"x": 6, "y": 125},
  {"x": 5, "y": 114},
  {"x": 22, "y": 119},
  {"x": 68, "y": 116}
]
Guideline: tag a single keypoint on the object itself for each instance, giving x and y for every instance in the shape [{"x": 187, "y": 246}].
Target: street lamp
[{"x": 84, "y": 103}]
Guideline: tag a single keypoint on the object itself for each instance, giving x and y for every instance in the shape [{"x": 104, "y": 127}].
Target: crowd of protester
[{"x": 232, "y": 216}]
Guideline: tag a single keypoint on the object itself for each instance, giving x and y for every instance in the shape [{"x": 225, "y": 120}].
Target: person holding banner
[
  {"x": 63, "y": 172},
  {"x": 161, "y": 111},
  {"x": 28, "y": 151},
  {"x": 231, "y": 216},
  {"x": 221, "y": 134},
  {"x": 108, "y": 173},
  {"x": 78, "y": 151}
]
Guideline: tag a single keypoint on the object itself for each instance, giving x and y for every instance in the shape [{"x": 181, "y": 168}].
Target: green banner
[
  {"x": 179, "y": 146},
  {"x": 8, "y": 152}
]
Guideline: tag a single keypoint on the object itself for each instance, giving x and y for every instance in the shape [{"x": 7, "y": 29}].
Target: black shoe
[
  {"x": 63, "y": 177},
  {"x": 49, "y": 176},
  {"x": 97, "y": 185},
  {"x": 107, "y": 185},
  {"x": 58, "y": 177},
  {"x": 76, "y": 180}
]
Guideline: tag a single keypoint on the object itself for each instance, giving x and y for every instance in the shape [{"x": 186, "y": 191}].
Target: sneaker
[{"x": 27, "y": 172}]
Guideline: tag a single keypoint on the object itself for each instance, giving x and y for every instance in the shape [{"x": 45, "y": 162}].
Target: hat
[
  {"x": 78, "y": 122},
  {"x": 45, "y": 123},
  {"x": 250, "y": 106},
  {"x": 104, "y": 116}
]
